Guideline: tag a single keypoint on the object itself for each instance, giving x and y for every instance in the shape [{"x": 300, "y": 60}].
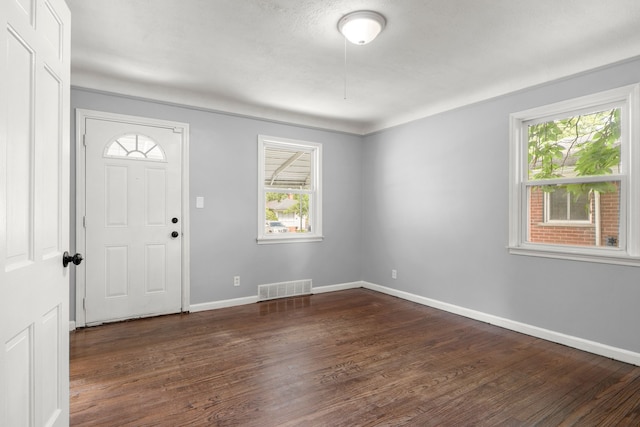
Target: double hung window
[
  {"x": 289, "y": 193},
  {"x": 574, "y": 172}
]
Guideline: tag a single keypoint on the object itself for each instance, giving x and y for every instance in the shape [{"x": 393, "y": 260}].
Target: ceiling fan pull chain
[{"x": 345, "y": 68}]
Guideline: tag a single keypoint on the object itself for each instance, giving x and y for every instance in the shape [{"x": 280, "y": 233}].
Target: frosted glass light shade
[{"x": 361, "y": 27}]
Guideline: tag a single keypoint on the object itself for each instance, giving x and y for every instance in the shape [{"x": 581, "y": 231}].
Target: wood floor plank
[{"x": 348, "y": 358}]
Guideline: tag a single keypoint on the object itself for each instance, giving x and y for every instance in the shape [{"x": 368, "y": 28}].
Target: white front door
[
  {"x": 34, "y": 213},
  {"x": 133, "y": 219}
]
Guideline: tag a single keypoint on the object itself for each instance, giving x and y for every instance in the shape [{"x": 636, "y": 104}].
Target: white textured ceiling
[{"x": 283, "y": 59}]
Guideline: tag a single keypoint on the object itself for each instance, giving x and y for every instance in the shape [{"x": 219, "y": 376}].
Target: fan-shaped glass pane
[
  {"x": 128, "y": 142},
  {"x": 155, "y": 153},
  {"x": 135, "y": 146}
]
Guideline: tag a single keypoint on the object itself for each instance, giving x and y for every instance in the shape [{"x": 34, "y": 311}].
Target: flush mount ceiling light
[{"x": 362, "y": 26}]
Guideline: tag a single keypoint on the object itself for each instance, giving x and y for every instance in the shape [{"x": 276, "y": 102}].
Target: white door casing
[
  {"x": 34, "y": 212},
  {"x": 126, "y": 201}
]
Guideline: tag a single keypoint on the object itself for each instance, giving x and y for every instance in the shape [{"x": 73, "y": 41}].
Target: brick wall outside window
[{"x": 575, "y": 234}]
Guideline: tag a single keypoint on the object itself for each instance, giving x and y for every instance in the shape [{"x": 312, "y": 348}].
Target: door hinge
[
  {"x": 84, "y": 221},
  {"x": 84, "y": 139},
  {"x": 84, "y": 304}
]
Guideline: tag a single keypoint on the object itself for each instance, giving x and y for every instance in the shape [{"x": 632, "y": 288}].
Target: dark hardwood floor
[{"x": 349, "y": 358}]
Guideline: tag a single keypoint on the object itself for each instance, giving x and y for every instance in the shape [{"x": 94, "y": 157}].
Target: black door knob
[
  {"x": 67, "y": 258},
  {"x": 174, "y": 234},
  {"x": 174, "y": 220}
]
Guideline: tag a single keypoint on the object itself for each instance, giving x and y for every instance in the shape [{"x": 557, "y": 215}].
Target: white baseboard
[
  {"x": 72, "y": 325},
  {"x": 546, "y": 334},
  {"x": 339, "y": 287},
  {"x": 222, "y": 304}
]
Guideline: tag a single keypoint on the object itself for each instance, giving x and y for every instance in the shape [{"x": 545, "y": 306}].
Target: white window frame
[
  {"x": 315, "y": 192},
  {"x": 626, "y": 98}
]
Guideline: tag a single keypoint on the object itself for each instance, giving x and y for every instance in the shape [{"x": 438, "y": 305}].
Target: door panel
[
  {"x": 34, "y": 213},
  {"x": 49, "y": 346},
  {"x": 116, "y": 269},
  {"x": 155, "y": 259},
  {"x": 50, "y": 26},
  {"x": 133, "y": 188},
  {"x": 117, "y": 195},
  {"x": 18, "y": 356},
  {"x": 50, "y": 183},
  {"x": 155, "y": 197}
]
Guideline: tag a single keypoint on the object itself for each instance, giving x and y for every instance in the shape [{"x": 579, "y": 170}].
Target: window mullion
[
  {"x": 574, "y": 180},
  {"x": 287, "y": 190}
]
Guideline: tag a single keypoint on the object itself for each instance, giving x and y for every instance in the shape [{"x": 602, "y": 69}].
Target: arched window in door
[{"x": 135, "y": 146}]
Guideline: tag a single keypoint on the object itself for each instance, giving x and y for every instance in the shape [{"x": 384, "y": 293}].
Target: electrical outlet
[
  {"x": 236, "y": 280},
  {"x": 394, "y": 274}
]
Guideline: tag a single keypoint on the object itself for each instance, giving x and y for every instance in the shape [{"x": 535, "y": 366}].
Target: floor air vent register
[{"x": 284, "y": 289}]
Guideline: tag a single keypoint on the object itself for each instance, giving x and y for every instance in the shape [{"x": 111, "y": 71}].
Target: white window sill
[
  {"x": 604, "y": 256},
  {"x": 268, "y": 240}
]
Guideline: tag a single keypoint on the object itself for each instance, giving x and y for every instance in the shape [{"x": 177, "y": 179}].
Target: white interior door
[
  {"x": 34, "y": 213},
  {"x": 133, "y": 220}
]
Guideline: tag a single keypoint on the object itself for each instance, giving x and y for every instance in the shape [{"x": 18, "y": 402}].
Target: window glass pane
[
  {"x": 116, "y": 150},
  {"x": 287, "y": 168},
  {"x": 287, "y": 213},
  {"x": 558, "y": 209},
  {"x": 136, "y": 155},
  {"x": 579, "y": 206},
  {"x": 565, "y": 206},
  {"x": 586, "y": 214},
  {"x": 580, "y": 145},
  {"x": 155, "y": 153},
  {"x": 127, "y": 142},
  {"x": 145, "y": 144}
]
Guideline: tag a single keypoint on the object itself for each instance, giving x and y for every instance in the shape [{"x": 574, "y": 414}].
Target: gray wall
[
  {"x": 435, "y": 194},
  {"x": 223, "y": 162}
]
